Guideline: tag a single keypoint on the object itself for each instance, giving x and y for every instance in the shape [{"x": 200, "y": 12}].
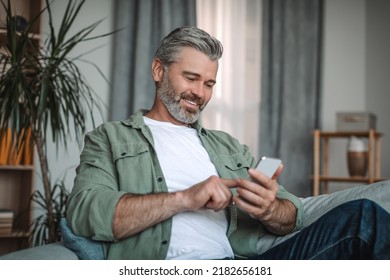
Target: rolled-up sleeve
[{"x": 95, "y": 194}]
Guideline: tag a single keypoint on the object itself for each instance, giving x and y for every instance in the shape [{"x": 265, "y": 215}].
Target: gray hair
[{"x": 188, "y": 36}]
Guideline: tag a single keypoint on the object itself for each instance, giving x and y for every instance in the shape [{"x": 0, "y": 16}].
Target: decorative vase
[{"x": 357, "y": 156}]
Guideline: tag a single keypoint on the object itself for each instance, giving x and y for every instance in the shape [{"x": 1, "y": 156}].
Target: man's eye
[
  {"x": 191, "y": 79},
  {"x": 210, "y": 85}
]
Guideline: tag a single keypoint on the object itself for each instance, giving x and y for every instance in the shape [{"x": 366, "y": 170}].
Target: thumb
[{"x": 278, "y": 171}]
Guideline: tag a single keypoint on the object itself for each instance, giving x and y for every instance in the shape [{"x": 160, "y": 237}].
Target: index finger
[{"x": 230, "y": 183}]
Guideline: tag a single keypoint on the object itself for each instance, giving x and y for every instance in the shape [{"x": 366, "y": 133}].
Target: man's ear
[{"x": 157, "y": 70}]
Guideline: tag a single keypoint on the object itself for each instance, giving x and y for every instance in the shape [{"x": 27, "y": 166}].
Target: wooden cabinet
[
  {"x": 17, "y": 174},
  {"x": 16, "y": 187},
  {"x": 321, "y": 176}
]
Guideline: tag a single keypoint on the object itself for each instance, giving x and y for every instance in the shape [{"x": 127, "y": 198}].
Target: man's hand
[
  {"x": 258, "y": 198},
  {"x": 212, "y": 193}
]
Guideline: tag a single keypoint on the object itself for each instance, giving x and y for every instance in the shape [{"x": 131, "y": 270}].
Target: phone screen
[{"x": 268, "y": 166}]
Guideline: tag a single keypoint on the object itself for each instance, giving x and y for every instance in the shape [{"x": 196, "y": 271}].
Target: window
[{"x": 235, "y": 104}]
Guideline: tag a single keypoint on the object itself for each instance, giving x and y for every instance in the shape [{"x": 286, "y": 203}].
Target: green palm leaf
[{"x": 42, "y": 87}]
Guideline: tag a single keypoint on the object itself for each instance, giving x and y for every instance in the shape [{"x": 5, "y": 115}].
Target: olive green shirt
[{"x": 119, "y": 158}]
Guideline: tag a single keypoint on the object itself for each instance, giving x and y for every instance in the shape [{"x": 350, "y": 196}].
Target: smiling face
[{"x": 184, "y": 88}]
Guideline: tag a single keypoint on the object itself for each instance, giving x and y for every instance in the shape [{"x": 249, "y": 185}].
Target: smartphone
[{"x": 268, "y": 166}]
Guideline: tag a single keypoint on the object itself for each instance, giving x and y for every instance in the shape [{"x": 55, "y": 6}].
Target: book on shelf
[
  {"x": 6, "y": 230},
  {"x": 6, "y": 221},
  {"x": 6, "y": 214},
  {"x": 3, "y": 226}
]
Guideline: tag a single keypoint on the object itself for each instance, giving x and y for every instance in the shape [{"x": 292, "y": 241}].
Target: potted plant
[{"x": 42, "y": 89}]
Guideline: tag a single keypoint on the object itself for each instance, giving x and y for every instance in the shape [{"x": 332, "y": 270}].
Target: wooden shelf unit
[
  {"x": 16, "y": 188},
  {"x": 321, "y": 176},
  {"x": 17, "y": 180}
]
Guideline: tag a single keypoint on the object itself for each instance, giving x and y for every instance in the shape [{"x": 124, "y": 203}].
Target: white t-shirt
[{"x": 185, "y": 162}]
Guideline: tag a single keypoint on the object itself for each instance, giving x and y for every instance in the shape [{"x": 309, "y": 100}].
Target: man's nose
[{"x": 198, "y": 89}]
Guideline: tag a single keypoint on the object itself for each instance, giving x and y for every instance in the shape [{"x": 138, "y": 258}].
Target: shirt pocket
[
  {"x": 134, "y": 166},
  {"x": 235, "y": 165}
]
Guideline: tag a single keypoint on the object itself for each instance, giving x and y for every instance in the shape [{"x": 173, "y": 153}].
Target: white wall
[
  {"x": 355, "y": 70},
  {"x": 378, "y": 72},
  {"x": 344, "y": 59},
  {"x": 343, "y": 71},
  {"x": 92, "y": 11}
]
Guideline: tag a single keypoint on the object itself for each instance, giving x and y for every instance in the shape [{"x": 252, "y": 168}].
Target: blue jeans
[{"x": 359, "y": 229}]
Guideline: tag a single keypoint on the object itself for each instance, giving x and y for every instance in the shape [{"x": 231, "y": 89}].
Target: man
[{"x": 160, "y": 186}]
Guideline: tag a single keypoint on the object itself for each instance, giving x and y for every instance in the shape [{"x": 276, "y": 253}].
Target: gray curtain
[
  {"x": 144, "y": 23},
  {"x": 290, "y": 102}
]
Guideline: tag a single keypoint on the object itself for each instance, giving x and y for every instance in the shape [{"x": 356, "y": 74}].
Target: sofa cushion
[
  {"x": 84, "y": 248},
  {"x": 52, "y": 251}
]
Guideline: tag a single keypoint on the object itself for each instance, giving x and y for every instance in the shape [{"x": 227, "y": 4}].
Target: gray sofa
[
  {"x": 53, "y": 251},
  {"x": 314, "y": 207}
]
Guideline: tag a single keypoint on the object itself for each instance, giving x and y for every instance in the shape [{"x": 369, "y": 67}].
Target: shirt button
[
  {"x": 122, "y": 154},
  {"x": 239, "y": 164},
  {"x": 159, "y": 179},
  {"x": 164, "y": 242}
]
